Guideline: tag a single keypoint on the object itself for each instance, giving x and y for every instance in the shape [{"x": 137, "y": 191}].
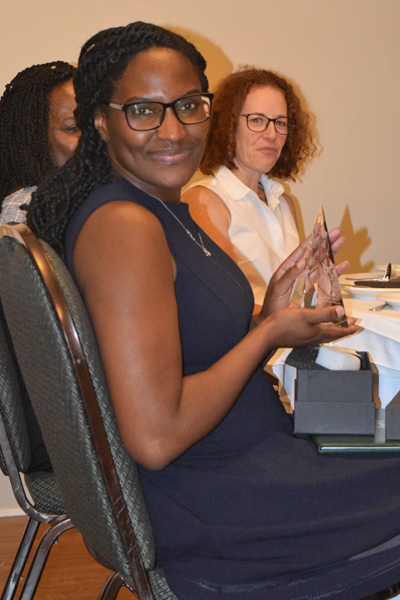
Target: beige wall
[{"x": 343, "y": 55}]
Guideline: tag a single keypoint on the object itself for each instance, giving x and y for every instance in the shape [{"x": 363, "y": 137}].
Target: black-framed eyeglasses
[
  {"x": 189, "y": 110},
  {"x": 257, "y": 122}
]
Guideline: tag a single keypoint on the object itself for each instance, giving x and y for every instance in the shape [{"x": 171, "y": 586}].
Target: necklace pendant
[{"x": 206, "y": 252}]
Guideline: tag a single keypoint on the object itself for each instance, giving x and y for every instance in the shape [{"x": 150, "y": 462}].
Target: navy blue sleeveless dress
[{"x": 251, "y": 512}]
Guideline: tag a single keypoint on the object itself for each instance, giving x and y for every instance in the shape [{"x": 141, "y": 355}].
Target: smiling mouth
[{"x": 172, "y": 155}]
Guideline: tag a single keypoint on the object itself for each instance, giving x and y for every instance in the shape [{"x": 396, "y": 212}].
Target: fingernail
[{"x": 339, "y": 311}]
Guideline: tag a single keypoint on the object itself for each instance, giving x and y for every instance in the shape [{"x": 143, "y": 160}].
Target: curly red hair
[{"x": 227, "y": 106}]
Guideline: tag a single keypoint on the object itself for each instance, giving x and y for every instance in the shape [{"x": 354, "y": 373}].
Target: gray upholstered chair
[
  {"x": 61, "y": 366},
  {"x": 16, "y": 457}
]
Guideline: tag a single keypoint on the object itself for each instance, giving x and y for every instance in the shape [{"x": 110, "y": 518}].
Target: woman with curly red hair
[{"x": 258, "y": 130}]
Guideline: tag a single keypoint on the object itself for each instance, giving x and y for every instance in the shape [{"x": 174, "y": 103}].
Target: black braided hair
[
  {"x": 24, "y": 117},
  {"x": 102, "y": 62}
]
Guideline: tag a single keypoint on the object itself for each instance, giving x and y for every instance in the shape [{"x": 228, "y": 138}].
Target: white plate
[
  {"x": 395, "y": 268},
  {"x": 368, "y": 293},
  {"x": 392, "y": 299}
]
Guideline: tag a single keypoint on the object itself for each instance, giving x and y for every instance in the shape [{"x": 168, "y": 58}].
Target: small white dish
[
  {"x": 393, "y": 299},
  {"x": 395, "y": 268},
  {"x": 369, "y": 293}
]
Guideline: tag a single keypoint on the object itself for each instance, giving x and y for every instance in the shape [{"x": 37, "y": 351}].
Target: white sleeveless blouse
[{"x": 262, "y": 236}]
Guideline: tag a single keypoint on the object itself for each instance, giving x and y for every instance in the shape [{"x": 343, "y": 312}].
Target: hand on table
[{"x": 304, "y": 327}]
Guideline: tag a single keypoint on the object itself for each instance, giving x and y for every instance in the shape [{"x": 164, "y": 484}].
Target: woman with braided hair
[
  {"x": 240, "y": 508},
  {"x": 38, "y": 132}
]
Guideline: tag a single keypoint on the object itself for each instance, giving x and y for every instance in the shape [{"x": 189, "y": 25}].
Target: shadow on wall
[
  {"x": 357, "y": 243},
  {"x": 218, "y": 64}
]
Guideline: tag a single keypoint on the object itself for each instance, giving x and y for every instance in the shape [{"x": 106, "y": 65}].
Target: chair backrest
[
  {"x": 22, "y": 448},
  {"x": 61, "y": 366},
  {"x": 11, "y": 407},
  {"x": 23, "y": 431}
]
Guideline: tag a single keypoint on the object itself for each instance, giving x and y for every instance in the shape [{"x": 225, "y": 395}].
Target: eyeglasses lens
[
  {"x": 260, "y": 123},
  {"x": 281, "y": 126},
  {"x": 193, "y": 109},
  {"x": 144, "y": 115},
  {"x": 148, "y": 115}
]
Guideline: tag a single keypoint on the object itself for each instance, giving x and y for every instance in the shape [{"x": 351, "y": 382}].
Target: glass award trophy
[{"x": 318, "y": 286}]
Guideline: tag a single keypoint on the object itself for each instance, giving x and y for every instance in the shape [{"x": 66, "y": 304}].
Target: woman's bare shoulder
[
  {"x": 119, "y": 233},
  {"x": 206, "y": 207},
  {"x": 202, "y": 196},
  {"x": 120, "y": 217}
]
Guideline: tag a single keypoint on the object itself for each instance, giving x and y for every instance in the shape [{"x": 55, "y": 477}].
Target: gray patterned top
[{"x": 10, "y": 212}]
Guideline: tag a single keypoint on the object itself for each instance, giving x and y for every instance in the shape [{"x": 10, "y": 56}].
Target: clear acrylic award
[{"x": 318, "y": 286}]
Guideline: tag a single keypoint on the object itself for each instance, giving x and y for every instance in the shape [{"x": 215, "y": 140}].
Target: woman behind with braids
[
  {"x": 240, "y": 508},
  {"x": 37, "y": 132}
]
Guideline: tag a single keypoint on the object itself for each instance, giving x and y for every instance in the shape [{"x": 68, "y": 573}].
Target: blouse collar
[{"x": 237, "y": 190}]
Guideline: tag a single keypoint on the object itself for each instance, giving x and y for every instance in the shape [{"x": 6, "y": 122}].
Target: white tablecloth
[{"x": 380, "y": 337}]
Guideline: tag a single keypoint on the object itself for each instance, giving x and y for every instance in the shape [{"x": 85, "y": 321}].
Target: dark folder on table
[{"x": 353, "y": 443}]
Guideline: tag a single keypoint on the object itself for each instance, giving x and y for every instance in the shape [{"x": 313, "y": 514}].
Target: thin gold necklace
[{"x": 201, "y": 245}]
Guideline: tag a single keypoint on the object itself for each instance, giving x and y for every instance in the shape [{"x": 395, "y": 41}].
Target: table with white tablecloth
[{"x": 379, "y": 336}]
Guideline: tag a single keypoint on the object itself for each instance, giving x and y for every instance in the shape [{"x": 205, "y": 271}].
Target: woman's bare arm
[
  {"x": 126, "y": 273},
  {"x": 210, "y": 213}
]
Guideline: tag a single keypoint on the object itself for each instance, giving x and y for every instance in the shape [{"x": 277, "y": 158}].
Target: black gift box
[{"x": 333, "y": 402}]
